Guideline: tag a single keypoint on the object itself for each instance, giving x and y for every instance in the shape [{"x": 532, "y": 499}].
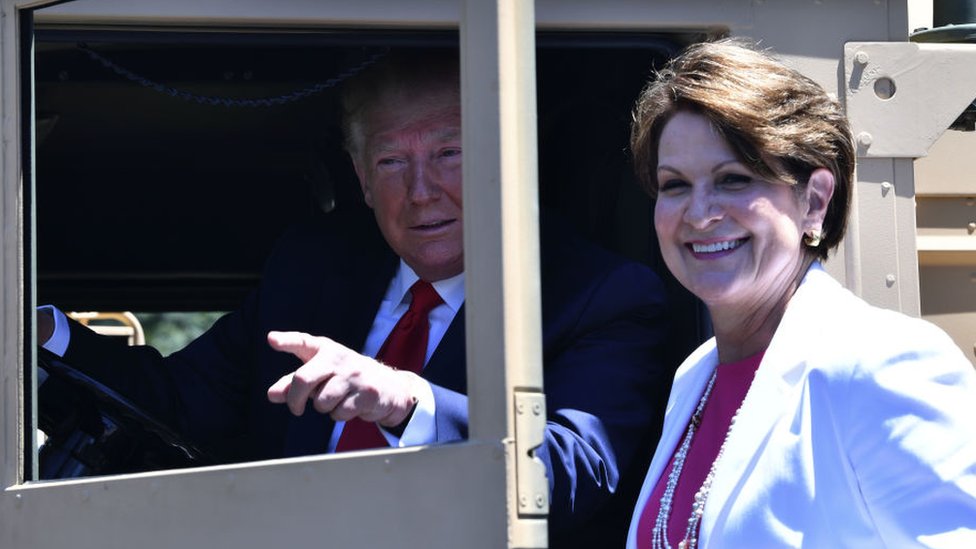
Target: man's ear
[
  {"x": 819, "y": 191},
  {"x": 363, "y": 185}
]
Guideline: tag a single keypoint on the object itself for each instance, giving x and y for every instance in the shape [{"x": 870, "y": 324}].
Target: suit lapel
[
  {"x": 344, "y": 312},
  {"x": 446, "y": 366},
  {"x": 350, "y": 298}
]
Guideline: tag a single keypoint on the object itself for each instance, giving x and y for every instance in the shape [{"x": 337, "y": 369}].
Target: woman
[{"x": 811, "y": 418}]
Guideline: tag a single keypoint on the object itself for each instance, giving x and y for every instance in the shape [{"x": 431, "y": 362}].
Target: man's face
[{"x": 409, "y": 167}]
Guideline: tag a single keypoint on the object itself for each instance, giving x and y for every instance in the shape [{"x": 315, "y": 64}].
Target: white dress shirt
[{"x": 420, "y": 429}]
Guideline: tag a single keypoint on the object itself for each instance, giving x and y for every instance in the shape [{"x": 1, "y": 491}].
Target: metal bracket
[
  {"x": 530, "y": 471},
  {"x": 901, "y": 96}
]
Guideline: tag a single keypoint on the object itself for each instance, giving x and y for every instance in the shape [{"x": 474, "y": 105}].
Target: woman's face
[{"x": 730, "y": 237}]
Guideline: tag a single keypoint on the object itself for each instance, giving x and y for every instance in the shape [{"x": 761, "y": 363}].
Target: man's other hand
[{"x": 341, "y": 382}]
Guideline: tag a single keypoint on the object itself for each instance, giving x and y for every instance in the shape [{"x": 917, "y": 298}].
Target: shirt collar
[{"x": 451, "y": 289}]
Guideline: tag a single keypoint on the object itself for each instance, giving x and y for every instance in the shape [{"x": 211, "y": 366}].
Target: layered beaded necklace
[{"x": 659, "y": 535}]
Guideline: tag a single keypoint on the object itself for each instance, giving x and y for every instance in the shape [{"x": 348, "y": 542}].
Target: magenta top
[{"x": 731, "y": 384}]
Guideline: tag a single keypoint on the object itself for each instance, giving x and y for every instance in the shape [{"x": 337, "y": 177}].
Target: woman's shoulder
[{"x": 845, "y": 329}]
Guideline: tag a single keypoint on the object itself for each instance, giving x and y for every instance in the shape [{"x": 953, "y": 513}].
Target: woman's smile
[{"x": 716, "y": 249}]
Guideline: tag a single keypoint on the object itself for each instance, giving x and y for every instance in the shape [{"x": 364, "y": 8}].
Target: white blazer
[{"x": 859, "y": 430}]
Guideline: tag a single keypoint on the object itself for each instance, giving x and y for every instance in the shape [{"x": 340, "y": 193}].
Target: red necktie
[{"x": 405, "y": 349}]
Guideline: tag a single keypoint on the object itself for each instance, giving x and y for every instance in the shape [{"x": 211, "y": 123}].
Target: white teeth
[{"x": 716, "y": 246}]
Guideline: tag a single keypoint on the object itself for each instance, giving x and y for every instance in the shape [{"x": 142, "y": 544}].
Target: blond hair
[{"x": 409, "y": 74}]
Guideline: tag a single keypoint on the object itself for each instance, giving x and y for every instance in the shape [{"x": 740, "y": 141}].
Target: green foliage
[{"x": 170, "y": 332}]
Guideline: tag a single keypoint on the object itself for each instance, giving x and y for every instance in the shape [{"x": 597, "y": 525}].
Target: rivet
[
  {"x": 862, "y": 57},
  {"x": 520, "y": 408},
  {"x": 890, "y": 280},
  {"x": 971, "y": 227},
  {"x": 885, "y": 188},
  {"x": 865, "y": 139},
  {"x": 536, "y": 408},
  {"x": 539, "y": 501},
  {"x": 18, "y": 500},
  {"x": 523, "y": 501}
]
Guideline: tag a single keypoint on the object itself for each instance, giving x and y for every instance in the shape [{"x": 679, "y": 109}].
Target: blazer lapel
[
  {"x": 689, "y": 384},
  {"x": 778, "y": 377}
]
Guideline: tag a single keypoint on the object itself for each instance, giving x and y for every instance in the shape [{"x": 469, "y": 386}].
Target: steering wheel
[{"x": 92, "y": 430}]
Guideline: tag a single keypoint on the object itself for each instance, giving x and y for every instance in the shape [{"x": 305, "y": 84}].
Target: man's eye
[
  {"x": 451, "y": 153},
  {"x": 388, "y": 162}
]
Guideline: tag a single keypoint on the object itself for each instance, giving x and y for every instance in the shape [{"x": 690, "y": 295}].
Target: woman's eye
[
  {"x": 734, "y": 181},
  {"x": 670, "y": 185}
]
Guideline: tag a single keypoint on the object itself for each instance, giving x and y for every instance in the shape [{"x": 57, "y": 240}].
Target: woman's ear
[{"x": 820, "y": 189}]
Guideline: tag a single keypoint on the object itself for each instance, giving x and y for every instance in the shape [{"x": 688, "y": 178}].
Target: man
[{"x": 292, "y": 372}]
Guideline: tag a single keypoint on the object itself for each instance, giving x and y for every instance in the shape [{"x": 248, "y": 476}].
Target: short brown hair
[{"x": 779, "y": 123}]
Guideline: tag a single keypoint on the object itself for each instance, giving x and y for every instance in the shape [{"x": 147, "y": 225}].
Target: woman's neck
[{"x": 742, "y": 330}]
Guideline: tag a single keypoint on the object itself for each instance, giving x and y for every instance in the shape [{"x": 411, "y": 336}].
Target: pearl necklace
[{"x": 659, "y": 536}]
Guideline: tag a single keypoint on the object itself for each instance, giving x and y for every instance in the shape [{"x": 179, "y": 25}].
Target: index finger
[{"x": 300, "y": 344}]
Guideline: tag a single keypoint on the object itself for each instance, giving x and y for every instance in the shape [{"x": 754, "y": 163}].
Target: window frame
[{"x": 256, "y": 504}]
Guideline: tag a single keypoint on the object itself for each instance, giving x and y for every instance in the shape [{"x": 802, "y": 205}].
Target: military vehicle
[{"x": 152, "y": 151}]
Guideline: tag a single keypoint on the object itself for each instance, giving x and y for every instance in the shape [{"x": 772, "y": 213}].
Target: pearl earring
[{"x": 812, "y": 238}]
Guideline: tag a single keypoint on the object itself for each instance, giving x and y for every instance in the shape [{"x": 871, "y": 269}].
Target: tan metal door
[{"x": 463, "y": 494}]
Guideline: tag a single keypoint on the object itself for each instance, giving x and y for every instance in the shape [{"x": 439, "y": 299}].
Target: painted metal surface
[{"x": 473, "y": 488}]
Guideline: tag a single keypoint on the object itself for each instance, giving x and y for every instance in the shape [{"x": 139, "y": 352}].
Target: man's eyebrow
[
  {"x": 390, "y": 144},
  {"x": 448, "y": 134},
  {"x": 382, "y": 147}
]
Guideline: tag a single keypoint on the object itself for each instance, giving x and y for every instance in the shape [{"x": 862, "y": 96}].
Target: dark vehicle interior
[{"x": 168, "y": 162}]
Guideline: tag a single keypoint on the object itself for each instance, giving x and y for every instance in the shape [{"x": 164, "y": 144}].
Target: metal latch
[{"x": 530, "y": 471}]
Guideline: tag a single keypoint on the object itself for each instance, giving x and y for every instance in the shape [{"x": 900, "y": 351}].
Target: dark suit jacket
[{"x": 604, "y": 373}]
